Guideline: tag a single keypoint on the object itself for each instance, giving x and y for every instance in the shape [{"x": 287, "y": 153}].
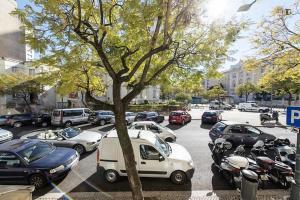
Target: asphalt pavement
[{"x": 193, "y": 136}]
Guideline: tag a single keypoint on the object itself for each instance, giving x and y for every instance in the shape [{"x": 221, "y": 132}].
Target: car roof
[
  {"x": 144, "y": 122},
  {"x": 178, "y": 111},
  {"x": 18, "y": 144},
  {"x": 233, "y": 123},
  {"x": 135, "y": 134},
  {"x": 70, "y": 109},
  {"x": 211, "y": 111}
]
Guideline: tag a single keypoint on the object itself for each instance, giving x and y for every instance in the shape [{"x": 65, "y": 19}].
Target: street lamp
[{"x": 246, "y": 7}]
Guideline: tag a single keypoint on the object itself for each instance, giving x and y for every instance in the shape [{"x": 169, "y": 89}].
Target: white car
[
  {"x": 162, "y": 132},
  {"x": 5, "y": 135},
  {"x": 154, "y": 157},
  {"x": 81, "y": 141},
  {"x": 252, "y": 107}
]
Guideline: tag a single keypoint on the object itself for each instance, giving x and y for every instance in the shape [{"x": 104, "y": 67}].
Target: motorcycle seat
[{"x": 264, "y": 159}]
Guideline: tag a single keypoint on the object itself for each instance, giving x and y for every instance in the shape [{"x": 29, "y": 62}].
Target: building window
[
  {"x": 14, "y": 69},
  {"x": 31, "y": 72}
]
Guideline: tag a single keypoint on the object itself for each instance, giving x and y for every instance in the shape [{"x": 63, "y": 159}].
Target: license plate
[
  {"x": 264, "y": 177},
  {"x": 208, "y": 117}
]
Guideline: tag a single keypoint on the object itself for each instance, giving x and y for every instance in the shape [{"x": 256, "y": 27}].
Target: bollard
[{"x": 249, "y": 185}]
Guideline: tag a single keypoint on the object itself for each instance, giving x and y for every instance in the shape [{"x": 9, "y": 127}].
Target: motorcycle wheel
[{"x": 230, "y": 178}]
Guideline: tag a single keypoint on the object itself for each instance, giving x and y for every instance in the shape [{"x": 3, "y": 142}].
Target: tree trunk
[
  {"x": 27, "y": 103},
  {"x": 290, "y": 98},
  {"x": 247, "y": 96},
  {"x": 125, "y": 142}
]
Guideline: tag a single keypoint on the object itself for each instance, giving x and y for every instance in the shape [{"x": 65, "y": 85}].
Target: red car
[{"x": 179, "y": 117}]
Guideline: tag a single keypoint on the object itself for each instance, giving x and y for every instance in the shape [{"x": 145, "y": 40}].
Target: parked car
[
  {"x": 81, "y": 141},
  {"x": 216, "y": 105},
  {"x": 149, "y": 116},
  {"x": 102, "y": 117},
  {"x": 238, "y": 134},
  {"x": 5, "y": 135},
  {"x": 69, "y": 117},
  {"x": 179, "y": 117},
  {"x": 34, "y": 162},
  {"x": 154, "y": 157},
  {"x": 162, "y": 132},
  {"x": 129, "y": 117},
  {"x": 41, "y": 119},
  {"x": 252, "y": 107},
  {"x": 211, "y": 116},
  {"x": 3, "y": 119},
  {"x": 19, "y": 120}
]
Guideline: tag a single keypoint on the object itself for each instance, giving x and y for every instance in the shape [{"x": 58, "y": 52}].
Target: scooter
[
  {"x": 231, "y": 166},
  {"x": 285, "y": 152},
  {"x": 264, "y": 117}
]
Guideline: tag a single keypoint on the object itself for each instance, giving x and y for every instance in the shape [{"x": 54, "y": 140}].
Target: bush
[{"x": 172, "y": 102}]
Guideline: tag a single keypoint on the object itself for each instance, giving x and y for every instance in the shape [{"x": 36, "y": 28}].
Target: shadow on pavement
[
  {"x": 175, "y": 127},
  {"x": 96, "y": 183},
  {"x": 107, "y": 128},
  {"x": 206, "y": 126}
]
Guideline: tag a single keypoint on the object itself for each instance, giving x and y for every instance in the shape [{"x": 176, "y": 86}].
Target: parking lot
[{"x": 193, "y": 136}]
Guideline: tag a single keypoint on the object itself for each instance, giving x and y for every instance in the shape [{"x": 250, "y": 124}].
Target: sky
[{"x": 226, "y": 9}]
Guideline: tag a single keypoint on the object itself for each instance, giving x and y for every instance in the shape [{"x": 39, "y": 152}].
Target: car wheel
[
  {"x": 169, "y": 140},
  {"x": 102, "y": 122},
  {"x": 127, "y": 123},
  {"x": 260, "y": 111},
  {"x": 243, "y": 110},
  {"x": 44, "y": 124},
  {"x": 182, "y": 122},
  {"x": 79, "y": 148},
  {"x": 18, "y": 124},
  {"x": 37, "y": 180},
  {"x": 111, "y": 176},
  {"x": 68, "y": 124},
  {"x": 178, "y": 177}
]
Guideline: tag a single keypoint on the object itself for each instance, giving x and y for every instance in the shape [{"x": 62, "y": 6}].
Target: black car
[
  {"x": 238, "y": 134},
  {"x": 41, "y": 119},
  {"x": 149, "y": 116},
  {"x": 19, "y": 120},
  {"x": 211, "y": 117},
  {"x": 101, "y": 117},
  {"x": 34, "y": 162}
]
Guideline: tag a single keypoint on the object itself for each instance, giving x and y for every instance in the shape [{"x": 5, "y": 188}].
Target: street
[{"x": 193, "y": 136}]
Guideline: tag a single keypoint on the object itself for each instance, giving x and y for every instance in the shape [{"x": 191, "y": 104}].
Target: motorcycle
[
  {"x": 285, "y": 152},
  {"x": 278, "y": 171},
  {"x": 264, "y": 117}
]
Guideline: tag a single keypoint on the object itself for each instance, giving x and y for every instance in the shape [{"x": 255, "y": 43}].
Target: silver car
[
  {"x": 81, "y": 141},
  {"x": 5, "y": 135},
  {"x": 129, "y": 117}
]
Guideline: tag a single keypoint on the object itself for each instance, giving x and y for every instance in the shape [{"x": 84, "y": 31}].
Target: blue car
[{"x": 34, "y": 162}]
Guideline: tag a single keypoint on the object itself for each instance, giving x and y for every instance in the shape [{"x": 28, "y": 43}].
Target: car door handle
[{"x": 143, "y": 163}]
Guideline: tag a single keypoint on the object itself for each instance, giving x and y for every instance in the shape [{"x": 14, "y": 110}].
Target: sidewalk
[{"x": 172, "y": 195}]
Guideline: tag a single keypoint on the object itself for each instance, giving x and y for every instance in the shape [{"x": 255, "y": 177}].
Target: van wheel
[
  {"x": 111, "y": 175},
  {"x": 178, "y": 177},
  {"x": 243, "y": 110},
  {"x": 102, "y": 122},
  {"x": 169, "y": 140},
  {"x": 37, "y": 180},
  {"x": 68, "y": 124},
  {"x": 79, "y": 148},
  {"x": 18, "y": 124},
  {"x": 261, "y": 111}
]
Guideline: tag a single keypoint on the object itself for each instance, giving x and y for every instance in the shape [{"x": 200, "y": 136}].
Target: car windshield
[
  {"x": 163, "y": 146},
  {"x": 220, "y": 126},
  {"x": 70, "y": 132},
  {"x": 254, "y": 105},
  {"x": 36, "y": 151},
  {"x": 209, "y": 114},
  {"x": 175, "y": 114}
]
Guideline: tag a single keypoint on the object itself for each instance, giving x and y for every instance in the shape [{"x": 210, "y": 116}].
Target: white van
[
  {"x": 70, "y": 116},
  {"x": 154, "y": 157},
  {"x": 249, "y": 106},
  {"x": 162, "y": 132}
]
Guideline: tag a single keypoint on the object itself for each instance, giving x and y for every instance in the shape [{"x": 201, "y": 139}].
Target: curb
[{"x": 168, "y": 195}]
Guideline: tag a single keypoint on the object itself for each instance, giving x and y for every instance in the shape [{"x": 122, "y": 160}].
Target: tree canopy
[{"x": 246, "y": 89}]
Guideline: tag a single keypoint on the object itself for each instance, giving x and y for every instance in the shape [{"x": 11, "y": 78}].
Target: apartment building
[{"x": 235, "y": 76}]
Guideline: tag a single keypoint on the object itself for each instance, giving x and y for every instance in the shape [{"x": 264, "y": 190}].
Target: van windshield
[
  {"x": 163, "y": 146},
  {"x": 56, "y": 113}
]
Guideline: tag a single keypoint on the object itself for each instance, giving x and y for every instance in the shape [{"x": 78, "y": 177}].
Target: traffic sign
[{"x": 293, "y": 116}]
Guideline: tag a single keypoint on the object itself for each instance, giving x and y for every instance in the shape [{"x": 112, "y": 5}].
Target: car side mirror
[{"x": 161, "y": 158}]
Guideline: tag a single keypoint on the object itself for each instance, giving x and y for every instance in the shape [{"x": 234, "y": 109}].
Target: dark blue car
[{"x": 34, "y": 162}]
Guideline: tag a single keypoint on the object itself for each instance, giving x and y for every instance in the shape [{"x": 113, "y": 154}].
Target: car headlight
[
  {"x": 191, "y": 164},
  {"x": 90, "y": 143},
  {"x": 59, "y": 168}
]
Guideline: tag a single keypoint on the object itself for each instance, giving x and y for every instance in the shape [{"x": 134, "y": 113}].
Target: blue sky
[{"x": 225, "y": 9}]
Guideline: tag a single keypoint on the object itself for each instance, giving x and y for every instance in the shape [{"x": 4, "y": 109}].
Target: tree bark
[
  {"x": 247, "y": 97},
  {"x": 290, "y": 99},
  {"x": 125, "y": 142}
]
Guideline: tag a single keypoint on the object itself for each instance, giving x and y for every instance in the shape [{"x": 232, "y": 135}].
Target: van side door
[{"x": 151, "y": 162}]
